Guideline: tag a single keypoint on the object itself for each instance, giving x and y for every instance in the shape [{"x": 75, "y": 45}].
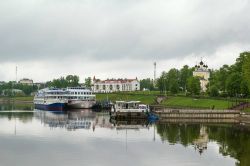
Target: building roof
[{"x": 115, "y": 80}]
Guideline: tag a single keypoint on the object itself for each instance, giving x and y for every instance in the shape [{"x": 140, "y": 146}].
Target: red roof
[{"x": 116, "y": 80}]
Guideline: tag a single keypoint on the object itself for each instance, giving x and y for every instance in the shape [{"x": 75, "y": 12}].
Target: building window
[{"x": 110, "y": 87}]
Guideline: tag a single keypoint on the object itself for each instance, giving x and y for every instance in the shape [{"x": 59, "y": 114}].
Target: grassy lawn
[
  {"x": 188, "y": 102},
  {"x": 146, "y": 99},
  {"x": 26, "y": 98},
  {"x": 247, "y": 110}
]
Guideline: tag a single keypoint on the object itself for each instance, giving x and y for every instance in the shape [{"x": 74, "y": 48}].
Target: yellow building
[{"x": 201, "y": 71}]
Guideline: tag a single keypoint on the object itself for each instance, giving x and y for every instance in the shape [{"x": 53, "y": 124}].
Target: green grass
[
  {"x": 26, "y": 98},
  {"x": 247, "y": 110},
  {"x": 189, "y": 102},
  {"x": 146, "y": 99}
]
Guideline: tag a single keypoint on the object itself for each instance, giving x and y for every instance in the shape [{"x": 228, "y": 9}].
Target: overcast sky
[{"x": 47, "y": 39}]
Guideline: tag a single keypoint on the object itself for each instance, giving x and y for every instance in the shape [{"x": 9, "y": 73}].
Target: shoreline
[{"x": 169, "y": 102}]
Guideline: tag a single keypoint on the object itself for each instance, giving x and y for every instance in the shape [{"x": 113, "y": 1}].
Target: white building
[
  {"x": 201, "y": 71},
  {"x": 115, "y": 85},
  {"x": 26, "y": 81}
]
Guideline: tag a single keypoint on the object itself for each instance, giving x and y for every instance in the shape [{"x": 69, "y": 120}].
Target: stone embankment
[{"x": 201, "y": 116}]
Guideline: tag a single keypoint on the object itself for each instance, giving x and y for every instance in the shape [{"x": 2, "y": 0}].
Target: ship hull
[
  {"x": 51, "y": 107},
  {"x": 80, "y": 104}
]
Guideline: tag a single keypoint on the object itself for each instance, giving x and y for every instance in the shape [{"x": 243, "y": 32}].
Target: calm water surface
[{"x": 84, "y": 137}]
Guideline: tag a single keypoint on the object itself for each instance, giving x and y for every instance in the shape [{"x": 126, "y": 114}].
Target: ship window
[{"x": 75, "y": 93}]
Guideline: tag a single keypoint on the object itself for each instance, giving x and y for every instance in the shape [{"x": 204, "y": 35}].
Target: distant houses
[
  {"x": 201, "y": 71},
  {"x": 26, "y": 81},
  {"x": 115, "y": 85}
]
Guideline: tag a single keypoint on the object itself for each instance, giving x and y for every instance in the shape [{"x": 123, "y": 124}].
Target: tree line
[
  {"x": 8, "y": 89},
  {"x": 229, "y": 80}
]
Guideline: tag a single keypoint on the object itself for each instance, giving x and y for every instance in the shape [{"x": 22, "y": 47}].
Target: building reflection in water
[{"x": 201, "y": 142}]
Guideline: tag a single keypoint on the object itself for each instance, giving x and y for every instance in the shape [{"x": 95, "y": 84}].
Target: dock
[{"x": 166, "y": 113}]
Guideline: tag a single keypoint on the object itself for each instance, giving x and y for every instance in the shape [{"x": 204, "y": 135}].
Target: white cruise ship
[
  {"x": 52, "y": 99},
  {"x": 80, "y": 97}
]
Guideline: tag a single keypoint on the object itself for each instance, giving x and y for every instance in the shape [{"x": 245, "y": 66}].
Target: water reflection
[
  {"x": 171, "y": 142},
  {"x": 16, "y": 106},
  {"x": 74, "y": 119},
  {"x": 233, "y": 140}
]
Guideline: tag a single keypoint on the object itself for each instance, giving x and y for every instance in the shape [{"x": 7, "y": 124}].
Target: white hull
[
  {"x": 130, "y": 110},
  {"x": 80, "y": 104}
]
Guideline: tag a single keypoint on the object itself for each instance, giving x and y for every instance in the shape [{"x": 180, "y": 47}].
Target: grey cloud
[{"x": 113, "y": 29}]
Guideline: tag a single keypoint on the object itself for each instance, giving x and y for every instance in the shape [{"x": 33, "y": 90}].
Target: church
[{"x": 201, "y": 71}]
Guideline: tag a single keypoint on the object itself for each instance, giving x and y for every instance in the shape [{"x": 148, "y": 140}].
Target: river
[{"x": 83, "y": 137}]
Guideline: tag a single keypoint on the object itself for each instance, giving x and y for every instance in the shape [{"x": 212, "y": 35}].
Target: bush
[{"x": 213, "y": 91}]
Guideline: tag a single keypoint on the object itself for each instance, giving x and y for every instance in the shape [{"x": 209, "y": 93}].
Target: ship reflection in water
[
  {"x": 74, "y": 119},
  {"x": 86, "y": 119}
]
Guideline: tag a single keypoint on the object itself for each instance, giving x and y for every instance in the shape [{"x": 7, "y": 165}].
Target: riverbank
[
  {"x": 26, "y": 99},
  {"x": 180, "y": 102},
  {"x": 197, "y": 103},
  {"x": 150, "y": 98}
]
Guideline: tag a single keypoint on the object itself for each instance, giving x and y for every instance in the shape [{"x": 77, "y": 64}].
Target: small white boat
[{"x": 130, "y": 106}]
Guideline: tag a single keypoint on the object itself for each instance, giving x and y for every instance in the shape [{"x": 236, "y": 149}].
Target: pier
[{"x": 166, "y": 113}]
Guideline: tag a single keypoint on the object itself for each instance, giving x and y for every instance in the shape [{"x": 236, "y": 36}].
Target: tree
[
  {"x": 72, "y": 80},
  {"x": 88, "y": 82},
  {"x": 173, "y": 80},
  {"x": 246, "y": 69},
  {"x": 213, "y": 91},
  {"x": 147, "y": 84},
  {"x": 162, "y": 82},
  {"x": 193, "y": 85},
  {"x": 244, "y": 90},
  {"x": 69, "y": 81},
  {"x": 185, "y": 73},
  {"x": 233, "y": 83}
]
